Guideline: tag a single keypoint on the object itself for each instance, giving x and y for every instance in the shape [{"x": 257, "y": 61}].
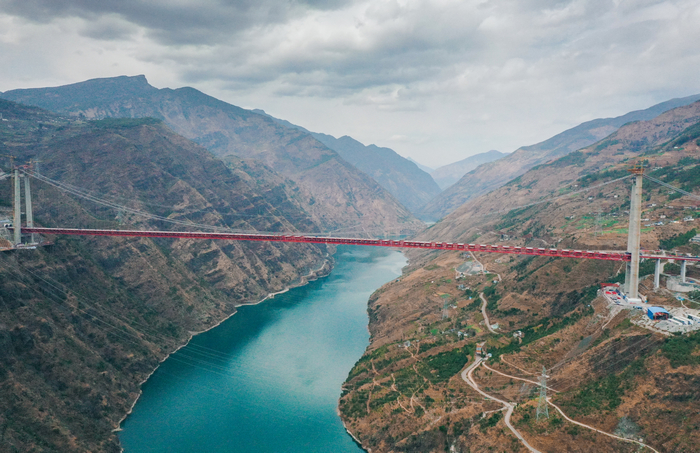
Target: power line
[
  {"x": 688, "y": 194},
  {"x": 87, "y": 195}
]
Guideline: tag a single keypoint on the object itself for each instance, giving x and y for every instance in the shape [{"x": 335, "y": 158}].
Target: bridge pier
[
  {"x": 683, "y": 271},
  {"x": 657, "y": 274},
  {"x": 17, "y": 220}
]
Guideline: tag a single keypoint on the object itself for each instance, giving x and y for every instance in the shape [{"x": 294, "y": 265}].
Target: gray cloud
[
  {"x": 463, "y": 76},
  {"x": 170, "y": 22}
]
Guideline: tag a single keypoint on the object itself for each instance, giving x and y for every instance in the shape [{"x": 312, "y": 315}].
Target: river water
[{"x": 268, "y": 379}]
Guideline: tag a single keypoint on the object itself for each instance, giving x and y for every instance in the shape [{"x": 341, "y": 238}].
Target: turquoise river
[{"x": 268, "y": 379}]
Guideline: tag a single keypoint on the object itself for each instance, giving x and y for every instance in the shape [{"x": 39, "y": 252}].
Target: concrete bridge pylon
[
  {"x": 17, "y": 220},
  {"x": 633, "y": 237}
]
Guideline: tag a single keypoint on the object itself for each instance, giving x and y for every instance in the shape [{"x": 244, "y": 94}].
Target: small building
[
  {"x": 480, "y": 349},
  {"x": 658, "y": 313},
  {"x": 683, "y": 320}
]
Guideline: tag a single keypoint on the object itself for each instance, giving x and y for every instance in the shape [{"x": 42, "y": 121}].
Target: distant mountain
[
  {"x": 492, "y": 175},
  {"x": 336, "y": 194},
  {"x": 650, "y": 138},
  {"x": 403, "y": 179},
  {"x": 449, "y": 174},
  {"x": 425, "y": 168}
]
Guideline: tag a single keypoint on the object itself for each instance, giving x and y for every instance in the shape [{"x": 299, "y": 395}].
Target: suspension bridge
[{"x": 631, "y": 256}]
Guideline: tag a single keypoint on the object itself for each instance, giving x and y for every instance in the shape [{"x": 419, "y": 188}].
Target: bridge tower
[
  {"x": 632, "y": 274},
  {"x": 28, "y": 205},
  {"x": 17, "y": 220}
]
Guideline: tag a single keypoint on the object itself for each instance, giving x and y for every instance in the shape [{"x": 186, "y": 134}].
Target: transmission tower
[
  {"x": 542, "y": 408},
  {"x": 446, "y": 308},
  {"x": 597, "y": 231}
]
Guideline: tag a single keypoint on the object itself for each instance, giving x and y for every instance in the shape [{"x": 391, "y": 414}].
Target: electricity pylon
[{"x": 542, "y": 407}]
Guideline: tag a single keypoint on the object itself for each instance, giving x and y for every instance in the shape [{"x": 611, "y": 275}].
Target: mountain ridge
[
  {"x": 449, "y": 174},
  {"x": 337, "y": 195},
  {"x": 490, "y": 176},
  {"x": 404, "y": 179}
]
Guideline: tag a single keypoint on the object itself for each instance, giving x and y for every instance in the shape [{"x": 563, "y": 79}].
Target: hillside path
[
  {"x": 481, "y": 295},
  {"x": 468, "y": 378},
  {"x": 503, "y": 359},
  {"x": 518, "y": 378},
  {"x": 597, "y": 430},
  {"x": 483, "y": 312}
]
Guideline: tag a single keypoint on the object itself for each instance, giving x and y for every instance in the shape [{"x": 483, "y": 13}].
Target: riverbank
[
  {"x": 321, "y": 272},
  {"x": 275, "y": 382}
]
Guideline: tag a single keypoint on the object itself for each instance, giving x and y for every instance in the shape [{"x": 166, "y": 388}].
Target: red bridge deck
[{"x": 507, "y": 249}]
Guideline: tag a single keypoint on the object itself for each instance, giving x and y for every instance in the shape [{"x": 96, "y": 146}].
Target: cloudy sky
[{"x": 436, "y": 80}]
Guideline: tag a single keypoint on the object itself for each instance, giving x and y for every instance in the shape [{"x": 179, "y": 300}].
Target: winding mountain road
[
  {"x": 469, "y": 379},
  {"x": 486, "y": 316},
  {"x": 467, "y": 376}
]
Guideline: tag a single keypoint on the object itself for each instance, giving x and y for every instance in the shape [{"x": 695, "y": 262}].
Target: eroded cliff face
[
  {"x": 84, "y": 321},
  {"x": 408, "y": 394}
]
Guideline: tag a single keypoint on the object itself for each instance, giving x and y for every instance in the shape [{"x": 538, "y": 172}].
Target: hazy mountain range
[
  {"x": 490, "y": 176},
  {"x": 449, "y": 174},
  {"x": 336, "y": 194},
  {"x": 412, "y": 186}
]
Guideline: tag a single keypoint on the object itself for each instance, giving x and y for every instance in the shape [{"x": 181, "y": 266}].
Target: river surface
[{"x": 268, "y": 379}]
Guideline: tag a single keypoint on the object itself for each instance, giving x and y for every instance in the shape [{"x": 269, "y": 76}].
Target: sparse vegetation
[
  {"x": 443, "y": 366},
  {"x": 677, "y": 240},
  {"x": 606, "y": 394},
  {"x": 682, "y": 349},
  {"x": 110, "y": 123},
  {"x": 489, "y": 422}
]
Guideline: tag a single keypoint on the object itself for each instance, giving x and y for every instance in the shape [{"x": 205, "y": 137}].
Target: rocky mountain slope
[
  {"x": 409, "y": 184},
  {"x": 408, "y": 394},
  {"x": 336, "y": 194},
  {"x": 634, "y": 140},
  {"x": 84, "y": 321},
  {"x": 492, "y": 175},
  {"x": 447, "y": 175},
  {"x": 425, "y": 168}
]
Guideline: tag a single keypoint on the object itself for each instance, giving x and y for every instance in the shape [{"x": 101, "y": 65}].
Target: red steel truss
[{"x": 508, "y": 249}]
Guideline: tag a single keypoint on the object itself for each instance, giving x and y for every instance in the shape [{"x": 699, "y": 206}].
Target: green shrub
[
  {"x": 441, "y": 367},
  {"x": 680, "y": 350},
  {"x": 677, "y": 240},
  {"x": 486, "y": 423},
  {"x": 606, "y": 393}
]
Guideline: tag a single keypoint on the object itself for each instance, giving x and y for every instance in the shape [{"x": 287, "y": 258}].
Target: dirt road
[
  {"x": 483, "y": 312},
  {"x": 468, "y": 378}
]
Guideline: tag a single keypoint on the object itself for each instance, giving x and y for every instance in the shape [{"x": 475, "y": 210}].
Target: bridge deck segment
[{"x": 504, "y": 249}]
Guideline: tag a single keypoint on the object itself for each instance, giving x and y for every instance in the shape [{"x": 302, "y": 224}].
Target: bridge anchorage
[{"x": 13, "y": 233}]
